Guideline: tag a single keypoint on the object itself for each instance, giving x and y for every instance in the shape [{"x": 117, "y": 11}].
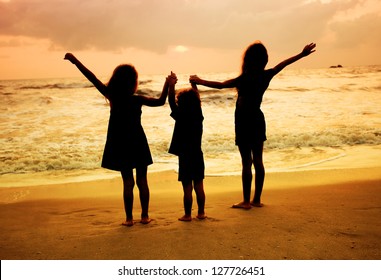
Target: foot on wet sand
[
  {"x": 242, "y": 205},
  {"x": 256, "y": 204},
  {"x": 128, "y": 223},
  {"x": 201, "y": 216},
  {"x": 185, "y": 218},
  {"x": 145, "y": 220}
]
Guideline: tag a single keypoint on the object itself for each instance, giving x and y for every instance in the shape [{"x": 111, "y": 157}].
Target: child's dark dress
[
  {"x": 126, "y": 146},
  {"x": 250, "y": 125},
  {"x": 186, "y": 143}
]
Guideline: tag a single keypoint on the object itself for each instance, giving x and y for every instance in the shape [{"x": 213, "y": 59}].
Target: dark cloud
[{"x": 156, "y": 24}]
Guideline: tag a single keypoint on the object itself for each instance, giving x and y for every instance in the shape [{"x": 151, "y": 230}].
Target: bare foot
[
  {"x": 128, "y": 223},
  {"x": 201, "y": 216},
  {"x": 186, "y": 218},
  {"x": 145, "y": 220},
  {"x": 256, "y": 204},
  {"x": 242, "y": 205}
]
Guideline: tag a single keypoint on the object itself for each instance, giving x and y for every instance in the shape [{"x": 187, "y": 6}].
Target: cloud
[
  {"x": 155, "y": 25},
  {"x": 359, "y": 31}
]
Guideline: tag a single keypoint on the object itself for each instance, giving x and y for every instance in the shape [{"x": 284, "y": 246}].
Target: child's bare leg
[
  {"x": 144, "y": 194},
  {"x": 128, "y": 195},
  {"x": 188, "y": 201},
  {"x": 200, "y": 194},
  {"x": 247, "y": 177},
  {"x": 259, "y": 174}
]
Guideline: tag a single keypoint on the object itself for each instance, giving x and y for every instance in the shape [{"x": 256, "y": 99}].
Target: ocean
[{"x": 56, "y": 128}]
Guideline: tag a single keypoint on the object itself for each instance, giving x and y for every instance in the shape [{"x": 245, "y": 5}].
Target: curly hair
[{"x": 188, "y": 98}]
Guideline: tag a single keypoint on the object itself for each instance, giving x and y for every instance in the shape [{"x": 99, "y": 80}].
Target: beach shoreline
[
  {"x": 309, "y": 214},
  {"x": 350, "y": 157}
]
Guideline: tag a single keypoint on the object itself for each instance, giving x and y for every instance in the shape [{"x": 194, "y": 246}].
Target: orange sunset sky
[{"x": 186, "y": 36}]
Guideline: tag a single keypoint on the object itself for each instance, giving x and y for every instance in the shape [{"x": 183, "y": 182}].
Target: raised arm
[
  {"x": 194, "y": 79},
  {"x": 87, "y": 73},
  {"x": 171, "y": 96},
  {"x": 307, "y": 50},
  {"x": 169, "y": 84}
]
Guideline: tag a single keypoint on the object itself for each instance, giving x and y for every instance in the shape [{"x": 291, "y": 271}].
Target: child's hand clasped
[
  {"x": 194, "y": 79},
  {"x": 172, "y": 78}
]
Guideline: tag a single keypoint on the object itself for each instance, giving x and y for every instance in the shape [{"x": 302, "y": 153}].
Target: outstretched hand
[{"x": 308, "y": 49}]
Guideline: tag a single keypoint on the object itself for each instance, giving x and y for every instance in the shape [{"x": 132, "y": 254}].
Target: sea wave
[
  {"x": 61, "y": 124},
  {"x": 62, "y": 85},
  {"x": 56, "y": 86},
  {"x": 86, "y": 153}
]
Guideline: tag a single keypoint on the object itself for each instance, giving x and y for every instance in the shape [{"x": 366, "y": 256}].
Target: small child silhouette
[{"x": 186, "y": 144}]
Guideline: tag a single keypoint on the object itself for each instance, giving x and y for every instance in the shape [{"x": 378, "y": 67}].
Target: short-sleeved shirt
[
  {"x": 187, "y": 133},
  {"x": 186, "y": 144}
]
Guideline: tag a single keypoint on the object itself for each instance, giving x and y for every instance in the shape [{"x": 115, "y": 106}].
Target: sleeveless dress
[
  {"x": 250, "y": 124},
  {"x": 126, "y": 145}
]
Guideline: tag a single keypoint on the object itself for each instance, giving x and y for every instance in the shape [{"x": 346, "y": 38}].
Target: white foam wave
[{"x": 61, "y": 124}]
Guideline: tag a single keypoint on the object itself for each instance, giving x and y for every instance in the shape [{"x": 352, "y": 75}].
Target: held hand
[
  {"x": 172, "y": 79},
  {"x": 308, "y": 49},
  {"x": 70, "y": 57},
  {"x": 194, "y": 79}
]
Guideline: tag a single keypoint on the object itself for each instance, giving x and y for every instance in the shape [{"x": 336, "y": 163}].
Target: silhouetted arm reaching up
[
  {"x": 308, "y": 49},
  {"x": 87, "y": 73},
  {"x": 172, "y": 98},
  {"x": 168, "y": 86}
]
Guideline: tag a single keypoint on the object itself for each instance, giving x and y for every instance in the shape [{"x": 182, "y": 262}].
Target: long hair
[
  {"x": 255, "y": 58},
  {"x": 124, "y": 80}
]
